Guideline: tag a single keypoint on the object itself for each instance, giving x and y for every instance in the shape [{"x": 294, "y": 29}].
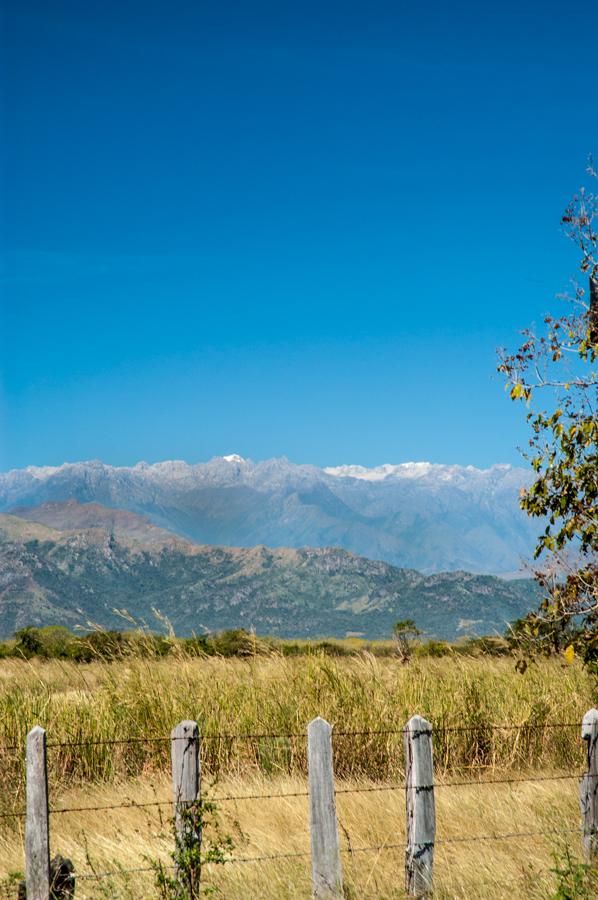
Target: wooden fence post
[
  {"x": 588, "y": 789},
  {"x": 421, "y": 816},
  {"x": 37, "y": 838},
  {"x": 327, "y": 875},
  {"x": 186, "y": 789}
]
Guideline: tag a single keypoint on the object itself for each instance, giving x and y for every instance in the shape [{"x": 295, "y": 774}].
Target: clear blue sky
[{"x": 282, "y": 228}]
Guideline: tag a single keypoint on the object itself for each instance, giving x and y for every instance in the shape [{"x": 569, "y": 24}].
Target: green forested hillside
[{"x": 79, "y": 576}]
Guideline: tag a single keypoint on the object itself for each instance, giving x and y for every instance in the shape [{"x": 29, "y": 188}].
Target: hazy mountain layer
[
  {"x": 429, "y": 517},
  {"x": 73, "y": 577}
]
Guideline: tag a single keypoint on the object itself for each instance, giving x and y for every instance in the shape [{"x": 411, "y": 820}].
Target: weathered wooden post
[
  {"x": 327, "y": 875},
  {"x": 186, "y": 788},
  {"x": 421, "y": 816},
  {"x": 588, "y": 789},
  {"x": 37, "y": 837}
]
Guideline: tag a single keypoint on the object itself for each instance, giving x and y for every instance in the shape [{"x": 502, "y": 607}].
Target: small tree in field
[
  {"x": 405, "y": 631},
  {"x": 554, "y": 373}
]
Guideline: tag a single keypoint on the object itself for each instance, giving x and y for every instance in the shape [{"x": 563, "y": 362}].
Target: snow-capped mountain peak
[
  {"x": 379, "y": 473},
  {"x": 422, "y": 515},
  {"x": 410, "y": 470}
]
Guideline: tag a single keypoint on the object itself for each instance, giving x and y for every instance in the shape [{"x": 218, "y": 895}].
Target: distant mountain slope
[
  {"x": 73, "y": 577},
  {"x": 70, "y": 515},
  {"x": 429, "y": 517}
]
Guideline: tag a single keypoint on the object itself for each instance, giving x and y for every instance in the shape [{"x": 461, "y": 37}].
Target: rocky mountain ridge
[
  {"x": 100, "y": 562},
  {"x": 416, "y": 515}
]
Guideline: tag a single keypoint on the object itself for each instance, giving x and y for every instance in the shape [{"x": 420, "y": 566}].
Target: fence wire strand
[
  {"x": 294, "y": 794},
  {"x": 435, "y": 730},
  {"x": 374, "y": 848}
]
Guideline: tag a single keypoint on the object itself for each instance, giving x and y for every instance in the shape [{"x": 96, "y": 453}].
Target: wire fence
[
  {"x": 252, "y": 736},
  {"x": 401, "y": 785},
  {"x": 374, "y": 848},
  {"x": 365, "y": 789}
]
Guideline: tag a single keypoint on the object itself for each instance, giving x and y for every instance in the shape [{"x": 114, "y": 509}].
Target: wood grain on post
[
  {"x": 327, "y": 875},
  {"x": 186, "y": 789},
  {"x": 37, "y": 838},
  {"x": 588, "y": 789},
  {"x": 421, "y": 815}
]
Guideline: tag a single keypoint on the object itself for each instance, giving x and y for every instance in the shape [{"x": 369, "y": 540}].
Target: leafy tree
[
  {"x": 49, "y": 642},
  {"x": 405, "y": 631},
  {"x": 554, "y": 373}
]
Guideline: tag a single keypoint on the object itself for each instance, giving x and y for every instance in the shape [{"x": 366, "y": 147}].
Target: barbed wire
[
  {"x": 506, "y": 835},
  {"x": 434, "y": 730},
  {"x": 532, "y": 778},
  {"x": 482, "y": 726},
  {"x": 269, "y": 857},
  {"x": 293, "y": 794},
  {"x": 374, "y": 848},
  {"x": 400, "y": 845},
  {"x": 132, "y": 805},
  {"x": 109, "y": 742},
  {"x": 117, "y": 872},
  {"x": 401, "y": 786}
]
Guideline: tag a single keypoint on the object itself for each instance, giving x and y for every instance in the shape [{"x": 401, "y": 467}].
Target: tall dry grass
[
  {"x": 124, "y": 840},
  {"x": 142, "y": 699},
  {"x": 145, "y": 698}
]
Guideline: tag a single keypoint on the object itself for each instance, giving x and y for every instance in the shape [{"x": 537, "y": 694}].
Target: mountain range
[
  {"x": 428, "y": 517},
  {"x": 75, "y": 563}
]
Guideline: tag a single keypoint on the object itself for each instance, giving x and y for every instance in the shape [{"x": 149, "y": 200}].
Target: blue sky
[{"x": 282, "y": 228}]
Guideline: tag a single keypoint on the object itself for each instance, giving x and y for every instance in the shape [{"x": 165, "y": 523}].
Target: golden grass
[
  {"x": 494, "y": 869},
  {"x": 138, "y": 698}
]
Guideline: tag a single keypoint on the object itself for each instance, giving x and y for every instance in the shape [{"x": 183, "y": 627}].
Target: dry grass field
[{"x": 277, "y": 696}]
